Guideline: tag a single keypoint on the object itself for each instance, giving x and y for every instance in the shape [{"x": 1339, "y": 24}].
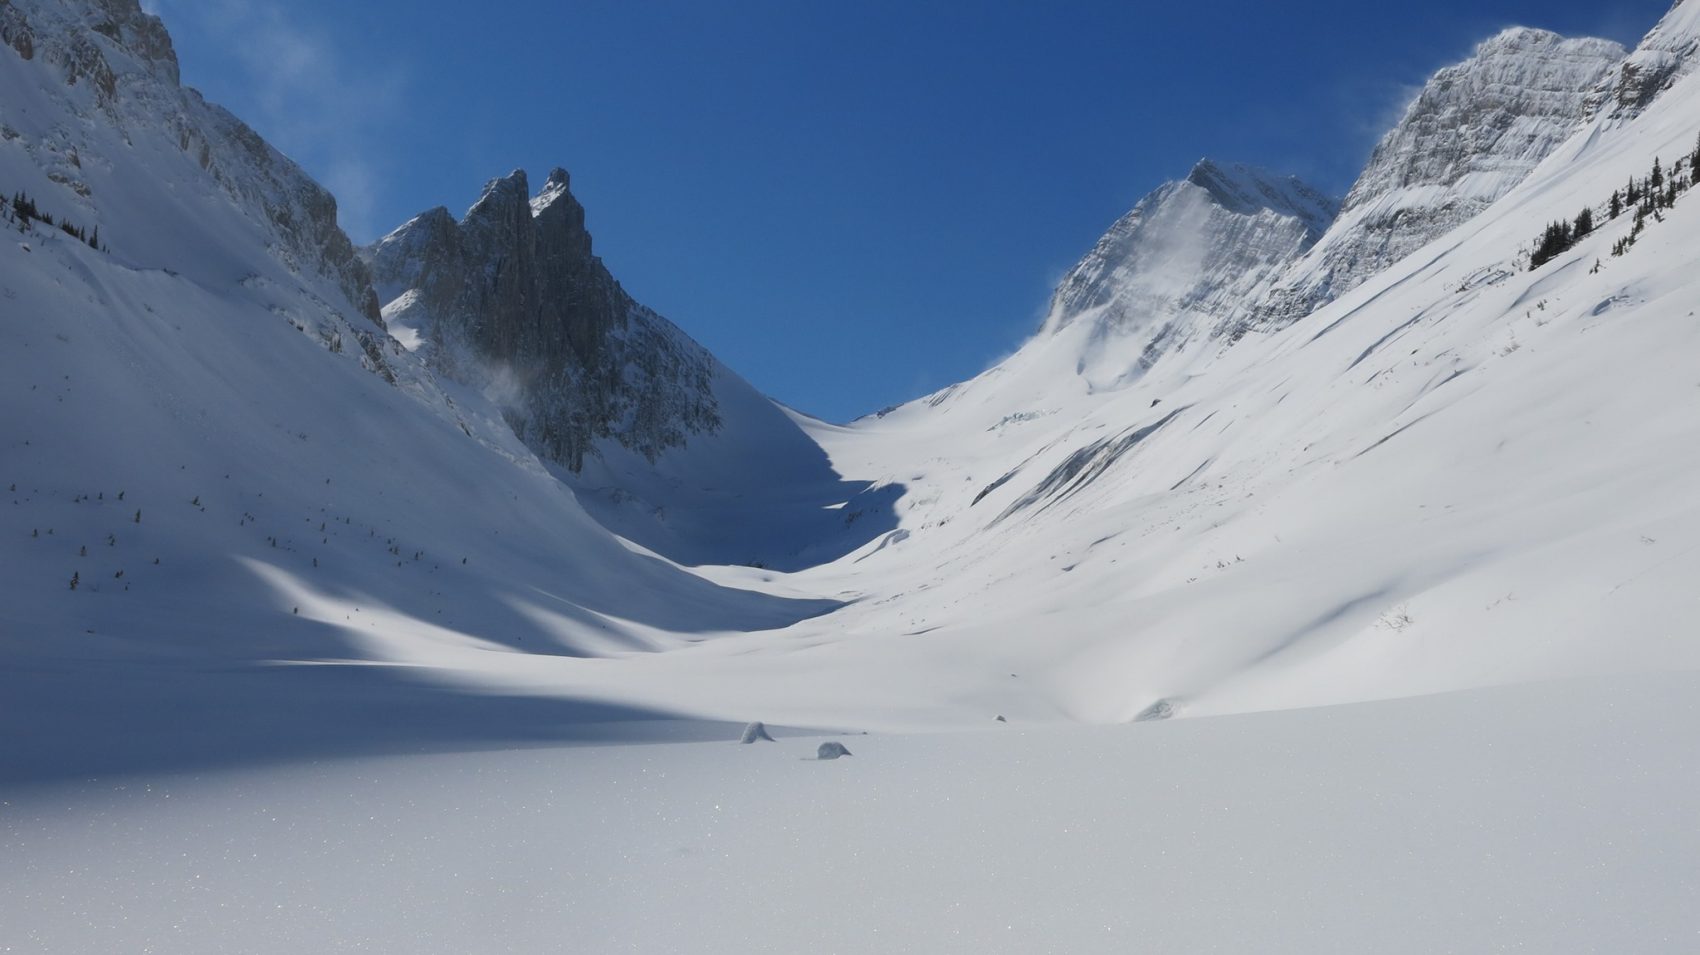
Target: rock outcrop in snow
[
  {"x": 1666, "y": 54},
  {"x": 511, "y": 299},
  {"x": 1476, "y": 130},
  {"x": 756, "y": 733}
]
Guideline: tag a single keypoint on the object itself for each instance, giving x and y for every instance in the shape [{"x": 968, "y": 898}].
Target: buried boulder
[
  {"x": 754, "y": 732},
  {"x": 832, "y": 751}
]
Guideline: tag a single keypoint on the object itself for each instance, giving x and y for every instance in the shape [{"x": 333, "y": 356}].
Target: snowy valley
[{"x": 1315, "y": 555}]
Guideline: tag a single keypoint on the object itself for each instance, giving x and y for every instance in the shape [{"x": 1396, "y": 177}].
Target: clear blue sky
[{"x": 852, "y": 204}]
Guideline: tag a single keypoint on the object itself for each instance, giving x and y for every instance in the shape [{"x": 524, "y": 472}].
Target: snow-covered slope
[
  {"x": 1458, "y": 473},
  {"x": 205, "y": 427},
  {"x": 1474, "y": 131},
  {"x": 1181, "y": 264},
  {"x": 1555, "y": 819},
  {"x": 244, "y": 524}
]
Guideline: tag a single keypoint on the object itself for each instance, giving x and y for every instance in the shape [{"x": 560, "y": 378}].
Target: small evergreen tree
[
  {"x": 1555, "y": 241},
  {"x": 1584, "y": 225},
  {"x": 1657, "y": 179},
  {"x": 1616, "y": 204}
]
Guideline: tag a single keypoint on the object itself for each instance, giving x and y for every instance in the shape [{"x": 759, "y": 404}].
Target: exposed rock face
[
  {"x": 1474, "y": 132},
  {"x": 1188, "y": 256},
  {"x": 511, "y": 299},
  {"x": 1667, "y": 53}
]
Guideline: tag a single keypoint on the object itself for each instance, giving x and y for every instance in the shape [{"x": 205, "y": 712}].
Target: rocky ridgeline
[
  {"x": 1196, "y": 248},
  {"x": 1231, "y": 249},
  {"x": 1668, "y": 52},
  {"x": 117, "y": 62},
  {"x": 1475, "y": 131},
  {"x": 512, "y": 300}
]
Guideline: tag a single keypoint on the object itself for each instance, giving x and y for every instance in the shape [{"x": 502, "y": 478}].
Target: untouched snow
[{"x": 1554, "y": 819}]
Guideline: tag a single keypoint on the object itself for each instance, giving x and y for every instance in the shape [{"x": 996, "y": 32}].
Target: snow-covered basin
[{"x": 1558, "y": 817}]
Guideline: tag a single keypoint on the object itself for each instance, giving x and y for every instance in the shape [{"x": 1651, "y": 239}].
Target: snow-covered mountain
[
  {"x": 1182, "y": 263},
  {"x": 1474, "y": 131},
  {"x": 1439, "y": 470},
  {"x": 661, "y": 441},
  {"x": 208, "y": 429},
  {"x": 250, "y": 520}
]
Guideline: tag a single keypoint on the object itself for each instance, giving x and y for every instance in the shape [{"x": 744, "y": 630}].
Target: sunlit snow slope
[{"x": 1460, "y": 473}]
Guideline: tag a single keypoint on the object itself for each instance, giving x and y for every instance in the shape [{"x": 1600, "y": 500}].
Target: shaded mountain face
[
  {"x": 119, "y": 68},
  {"x": 512, "y": 300},
  {"x": 1476, "y": 130}
]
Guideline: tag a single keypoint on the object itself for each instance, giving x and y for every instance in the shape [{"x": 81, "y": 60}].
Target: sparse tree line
[
  {"x": 76, "y": 581},
  {"x": 22, "y": 211},
  {"x": 1644, "y": 198}
]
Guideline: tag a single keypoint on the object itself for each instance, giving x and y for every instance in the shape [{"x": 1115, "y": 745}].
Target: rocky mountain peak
[
  {"x": 502, "y": 197},
  {"x": 511, "y": 299},
  {"x": 1247, "y": 190},
  {"x": 1475, "y": 131},
  {"x": 560, "y": 219},
  {"x": 1182, "y": 262},
  {"x": 140, "y": 32},
  {"x": 1486, "y": 122}
]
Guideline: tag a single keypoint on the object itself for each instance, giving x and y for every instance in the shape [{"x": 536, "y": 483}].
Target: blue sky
[{"x": 852, "y": 204}]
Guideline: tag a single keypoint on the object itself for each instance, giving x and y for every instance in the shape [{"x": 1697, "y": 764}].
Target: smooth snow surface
[{"x": 1554, "y": 819}]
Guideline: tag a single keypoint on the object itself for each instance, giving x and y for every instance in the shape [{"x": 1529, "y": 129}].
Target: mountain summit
[
  {"x": 512, "y": 299},
  {"x": 1476, "y": 130},
  {"x": 1188, "y": 255}
]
